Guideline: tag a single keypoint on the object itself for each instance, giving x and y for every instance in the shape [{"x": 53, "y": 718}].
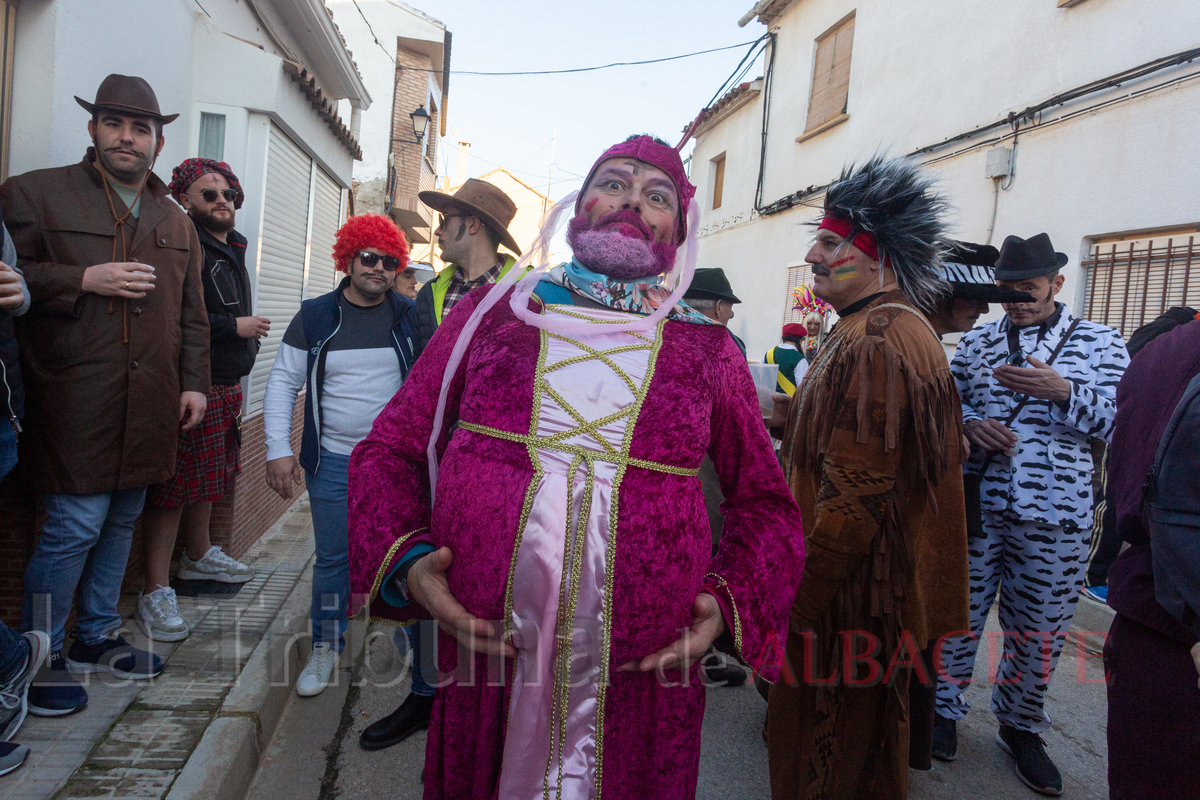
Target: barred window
[
  {"x": 1132, "y": 280},
  {"x": 798, "y": 275}
]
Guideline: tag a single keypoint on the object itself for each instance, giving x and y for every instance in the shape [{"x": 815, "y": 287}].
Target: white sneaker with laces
[
  {"x": 315, "y": 676},
  {"x": 158, "y": 614},
  {"x": 215, "y": 565}
]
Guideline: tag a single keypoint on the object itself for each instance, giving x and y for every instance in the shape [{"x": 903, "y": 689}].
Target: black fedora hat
[
  {"x": 128, "y": 94},
  {"x": 1028, "y": 258},
  {"x": 969, "y": 271},
  {"x": 710, "y": 283}
]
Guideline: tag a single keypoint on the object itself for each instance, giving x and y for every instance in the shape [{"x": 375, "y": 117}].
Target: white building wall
[
  {"x": 925, "y": 70},
  {"x": 389, "y": 19}
]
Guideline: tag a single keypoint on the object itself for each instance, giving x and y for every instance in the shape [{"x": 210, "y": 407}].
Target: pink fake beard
[{"x": 619, "y": 255}]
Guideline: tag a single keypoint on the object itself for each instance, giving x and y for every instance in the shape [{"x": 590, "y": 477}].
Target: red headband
[{"x": 864, "y": 241}]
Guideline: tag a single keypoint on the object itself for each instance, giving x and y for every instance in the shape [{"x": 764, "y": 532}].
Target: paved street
[{"x": 315, "y": 753}]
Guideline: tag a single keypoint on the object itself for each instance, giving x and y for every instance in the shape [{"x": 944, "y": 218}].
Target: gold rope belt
[{"x": 553, "y": 443}]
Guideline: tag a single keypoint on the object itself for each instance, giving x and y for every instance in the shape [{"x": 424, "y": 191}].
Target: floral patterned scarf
[{"x": 641, "y": 296}]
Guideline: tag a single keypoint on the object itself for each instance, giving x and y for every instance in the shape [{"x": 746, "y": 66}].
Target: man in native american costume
[
  {"x": 558, "y": 427},
  {"x": 872, "y": 450}
]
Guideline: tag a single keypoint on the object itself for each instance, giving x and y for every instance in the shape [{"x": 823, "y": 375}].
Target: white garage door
[{"x": 327, "y": 218}]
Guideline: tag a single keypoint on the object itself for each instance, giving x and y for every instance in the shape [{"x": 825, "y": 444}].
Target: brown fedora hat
[
  {"x": 128, "y": 94},
  {"x": 478, "y": 199}
]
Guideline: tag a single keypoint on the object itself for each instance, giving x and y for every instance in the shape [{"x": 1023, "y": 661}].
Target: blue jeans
[
  {"x": 13, "y": 652},
  {"x": 85, "y": 544},
  {"x": 331, "y": 572},
  {"x": 419, "y": 686}
]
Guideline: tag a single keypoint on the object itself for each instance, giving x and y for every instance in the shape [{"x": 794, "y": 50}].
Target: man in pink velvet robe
[{"x": 566, "y": 551}]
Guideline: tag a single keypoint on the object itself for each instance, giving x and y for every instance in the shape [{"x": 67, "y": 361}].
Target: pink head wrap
[
  {"x": 665, "y": 157},
  {"x": 523, "y": 281}
]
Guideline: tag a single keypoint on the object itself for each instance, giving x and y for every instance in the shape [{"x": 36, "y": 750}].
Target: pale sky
[{"x": 510, "y": 121}]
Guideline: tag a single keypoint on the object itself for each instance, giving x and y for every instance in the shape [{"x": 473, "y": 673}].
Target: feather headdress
[
  {"x": 804, "y": 300},
  {"x": 894, "y": 201}
]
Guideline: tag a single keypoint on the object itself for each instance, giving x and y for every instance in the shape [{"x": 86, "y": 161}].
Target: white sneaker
[
  {"x": 215, "y": 565},
  {"x": 158, "y": 614},
  {"x": 317, "y": 671}
]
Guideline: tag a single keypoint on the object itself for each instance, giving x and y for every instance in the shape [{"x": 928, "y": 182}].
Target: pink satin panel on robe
[{"x": 594, "y": 391}]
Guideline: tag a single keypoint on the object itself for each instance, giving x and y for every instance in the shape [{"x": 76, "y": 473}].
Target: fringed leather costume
[{"x": 873, "y": 455}]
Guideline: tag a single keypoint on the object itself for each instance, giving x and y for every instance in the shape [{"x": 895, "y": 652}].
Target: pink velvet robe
[{"x": 700, "y": 401}]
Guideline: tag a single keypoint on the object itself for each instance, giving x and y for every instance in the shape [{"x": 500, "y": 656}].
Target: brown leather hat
[
  {"x": 478, "y": 199},
  {"x": 129, "y": 94}
]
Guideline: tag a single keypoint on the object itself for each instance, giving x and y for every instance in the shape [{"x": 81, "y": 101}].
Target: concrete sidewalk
[{"x": 135, "y": 737}]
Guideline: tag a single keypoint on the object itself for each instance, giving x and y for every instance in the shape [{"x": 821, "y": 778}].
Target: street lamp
[{"x": 420, "y": 122}]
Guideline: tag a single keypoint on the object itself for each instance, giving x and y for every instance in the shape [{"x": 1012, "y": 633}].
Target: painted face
[
  {"x": 634, "y": 186},
  {"x": 126, "y": 145},
  {"x": 965, "y": 313},
  {"x": 215, "y": 215},
  {"x": 406, "y": 283},
  {"x": 840, "y": 270},
  {"x": 1044, "y": 288},
  {"x": 370, "y": 281}
]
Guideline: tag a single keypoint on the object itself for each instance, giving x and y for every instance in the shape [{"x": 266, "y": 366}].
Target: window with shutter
[
  {"x": 798, "y": 275},
  {"x": 718, "y": 180},
  {"x": 831, "y": 77},
  {"x": 282, "y": 254},
  {"x": 1132, "y": 280}
]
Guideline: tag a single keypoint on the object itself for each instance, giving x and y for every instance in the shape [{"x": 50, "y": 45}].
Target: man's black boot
[
  {"x": 1034, "y": 767},
  {"x": 945, "y": 738},
  {"x": 410, "y": 717}
]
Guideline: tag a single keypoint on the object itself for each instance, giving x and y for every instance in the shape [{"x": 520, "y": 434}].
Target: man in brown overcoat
[{"x": 115, "y": 359}]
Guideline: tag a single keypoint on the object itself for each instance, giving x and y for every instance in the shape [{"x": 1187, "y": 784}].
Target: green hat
[{"x": 711, "y": 284}]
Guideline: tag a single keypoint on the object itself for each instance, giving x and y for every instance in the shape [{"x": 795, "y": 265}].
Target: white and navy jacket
[{"x": 1050, "y": 477}]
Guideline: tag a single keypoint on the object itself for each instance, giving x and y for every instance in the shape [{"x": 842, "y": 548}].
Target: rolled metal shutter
[
  {"x": 281, "y": 263},
  {"x": 326, "y": 219}
]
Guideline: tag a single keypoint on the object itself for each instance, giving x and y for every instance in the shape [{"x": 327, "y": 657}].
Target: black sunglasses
[
  {"x": 369, "y": 259},
  {"x": 210, "y": 195}
]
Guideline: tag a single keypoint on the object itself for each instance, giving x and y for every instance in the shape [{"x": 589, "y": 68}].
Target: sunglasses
[
  {"x": 444, "y": 218},
  {"x": 369, "y": 259},
  {"x": 210, "y": 195}
]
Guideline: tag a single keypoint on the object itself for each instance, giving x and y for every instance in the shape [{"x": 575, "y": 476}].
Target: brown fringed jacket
[{"x": 873, "y": 455}]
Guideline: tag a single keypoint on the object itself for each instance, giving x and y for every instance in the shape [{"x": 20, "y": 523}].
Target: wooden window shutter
[
  {"x": 718, "y": 183},
  {"x": 831, "y": 75}
]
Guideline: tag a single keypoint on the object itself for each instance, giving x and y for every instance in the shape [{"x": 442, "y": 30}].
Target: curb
[
  {"x": 224, "y": 763},
  {"x": 1091, "y": 622}
]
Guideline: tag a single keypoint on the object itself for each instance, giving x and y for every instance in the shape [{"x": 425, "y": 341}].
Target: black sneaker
[
  {"x": 1034, "y": 767},
  {"x": 54, "y": 693},
  {"x": 945, "y": 738},
  {"x": 12, "y": 755},
  {"x": 116, "y": 656},
  {"x": 14, "y": 700}
]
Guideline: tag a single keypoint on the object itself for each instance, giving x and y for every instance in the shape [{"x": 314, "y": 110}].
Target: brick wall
[
  {"x": 237, "y": 522},
  {"x": 411, "y": 90}
]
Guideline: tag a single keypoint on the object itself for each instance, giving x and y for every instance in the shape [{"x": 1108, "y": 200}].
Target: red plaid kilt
[{"x": 207, "y": 458}]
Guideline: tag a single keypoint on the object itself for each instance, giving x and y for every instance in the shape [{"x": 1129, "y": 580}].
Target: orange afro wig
[{"x": 368, "y": 230}]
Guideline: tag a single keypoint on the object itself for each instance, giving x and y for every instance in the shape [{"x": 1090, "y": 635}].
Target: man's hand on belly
[
  {"x": 707, "y": 625},
  {"x": 428, "y": 586}
]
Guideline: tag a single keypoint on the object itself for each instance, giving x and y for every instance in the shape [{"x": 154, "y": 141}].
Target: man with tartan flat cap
[
  {"x": 207, "y": 460},
  {"x": 1036, "y": 386}
]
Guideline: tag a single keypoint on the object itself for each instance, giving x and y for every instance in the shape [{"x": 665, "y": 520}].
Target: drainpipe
[{"x": 355, "y": 120}]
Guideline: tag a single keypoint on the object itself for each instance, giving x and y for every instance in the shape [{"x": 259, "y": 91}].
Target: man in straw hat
[
  {"x": 872, "y": 450},
  {"x": 566, "y": 555},
  {"x": 1036, "y": 385},
  {"x": 472, "y": 224},
  {"x": 115, "y": 360}
]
